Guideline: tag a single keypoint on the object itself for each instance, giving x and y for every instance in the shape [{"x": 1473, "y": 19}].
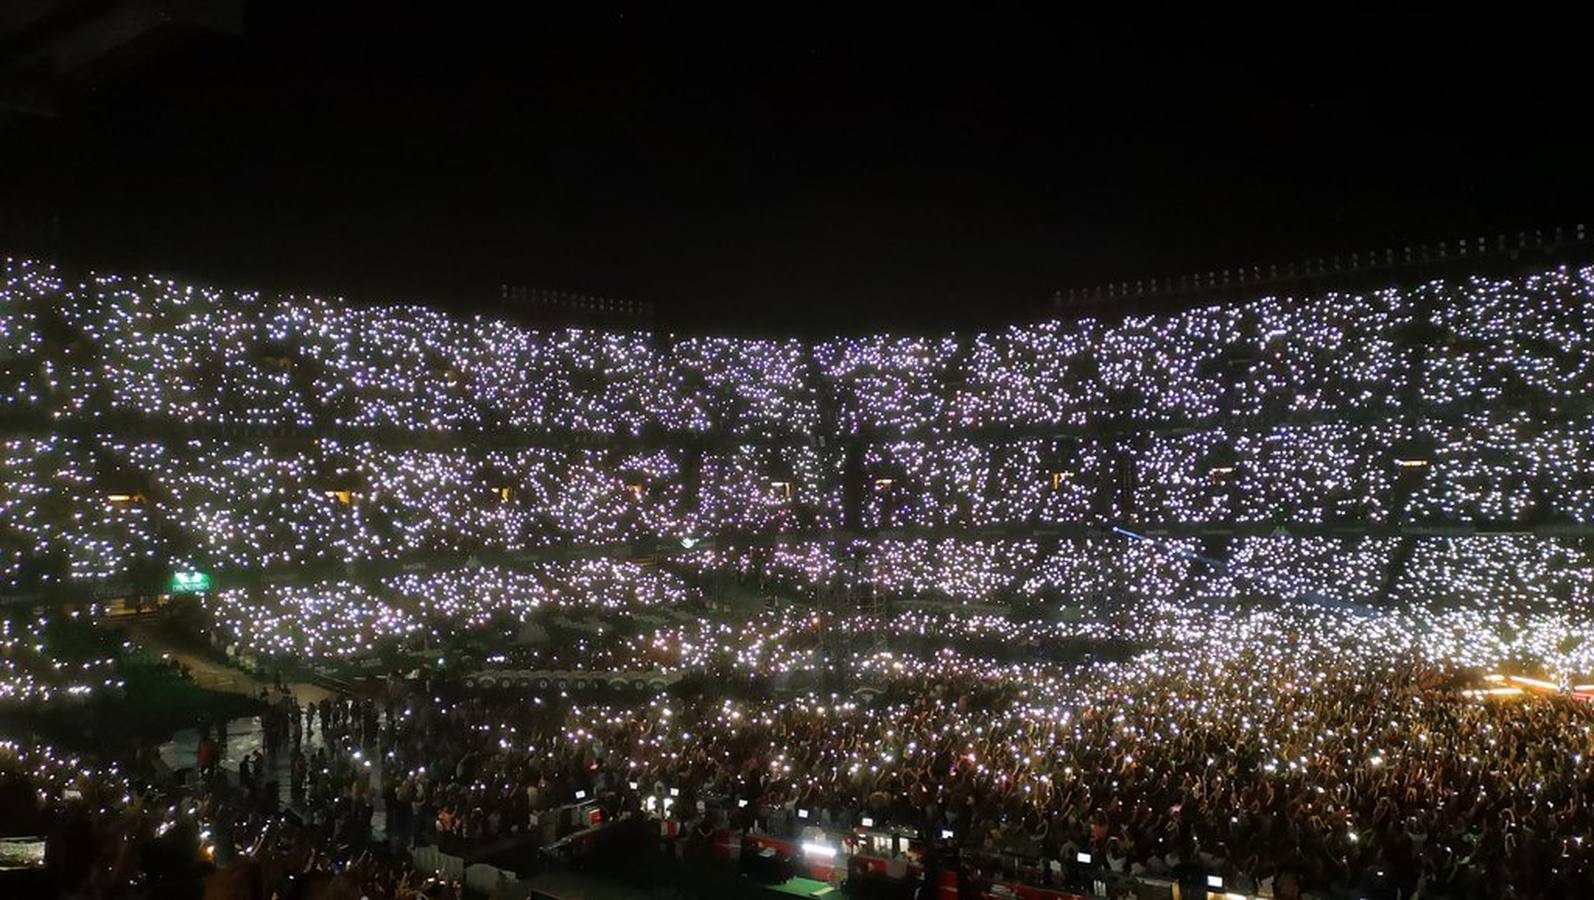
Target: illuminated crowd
[
  {"x": 398, "y": 431},
  {"x": 97, "y": 347},
  {"x": 108, "y": 833},
  {"x": 1288, "y": 592},
  {"x": 343, "y": 619},
  {"x": 1349, "y": 752}
]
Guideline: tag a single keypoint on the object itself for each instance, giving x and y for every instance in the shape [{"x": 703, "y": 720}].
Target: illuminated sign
[{"x": 190, "y": 583}]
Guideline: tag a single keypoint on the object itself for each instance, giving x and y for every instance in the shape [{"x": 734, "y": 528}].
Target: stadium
[
  {"x": 608, "y": 451},
  {"x": 1252, "y": 597}
]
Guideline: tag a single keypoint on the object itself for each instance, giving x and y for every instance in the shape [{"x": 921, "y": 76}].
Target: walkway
[{"x": 209, "y": 674}]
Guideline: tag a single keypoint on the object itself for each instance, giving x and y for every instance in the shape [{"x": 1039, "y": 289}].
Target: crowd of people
[
  {"x": 227, "y": 831},
  {"x": 1292, "y": 749},
  {"x": 1502, "y": 591},
  {"x": 35, "y": 671},
  {"x": 1443, "y": 404},
  {"x": 1269, "y": 750},
  {"x": 99, "y": 509},
  {"x": 1281, "y": 751},
  {"x": 1303, "y": 707},
  {"x": 165, "y": 351},
  {"x": 199, "y": 354}
]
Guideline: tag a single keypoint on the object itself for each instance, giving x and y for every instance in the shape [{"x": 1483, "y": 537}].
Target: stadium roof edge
[{"x": 1502, "y": 254}]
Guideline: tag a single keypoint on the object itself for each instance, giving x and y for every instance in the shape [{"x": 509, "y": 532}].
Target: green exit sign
[{"x": 190, "y": 583}]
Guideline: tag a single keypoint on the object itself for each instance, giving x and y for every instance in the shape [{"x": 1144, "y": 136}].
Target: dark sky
[{"x": 802, "y": 169}]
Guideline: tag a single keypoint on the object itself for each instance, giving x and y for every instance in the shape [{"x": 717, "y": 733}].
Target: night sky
[{"x": 802, "y": 171}]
